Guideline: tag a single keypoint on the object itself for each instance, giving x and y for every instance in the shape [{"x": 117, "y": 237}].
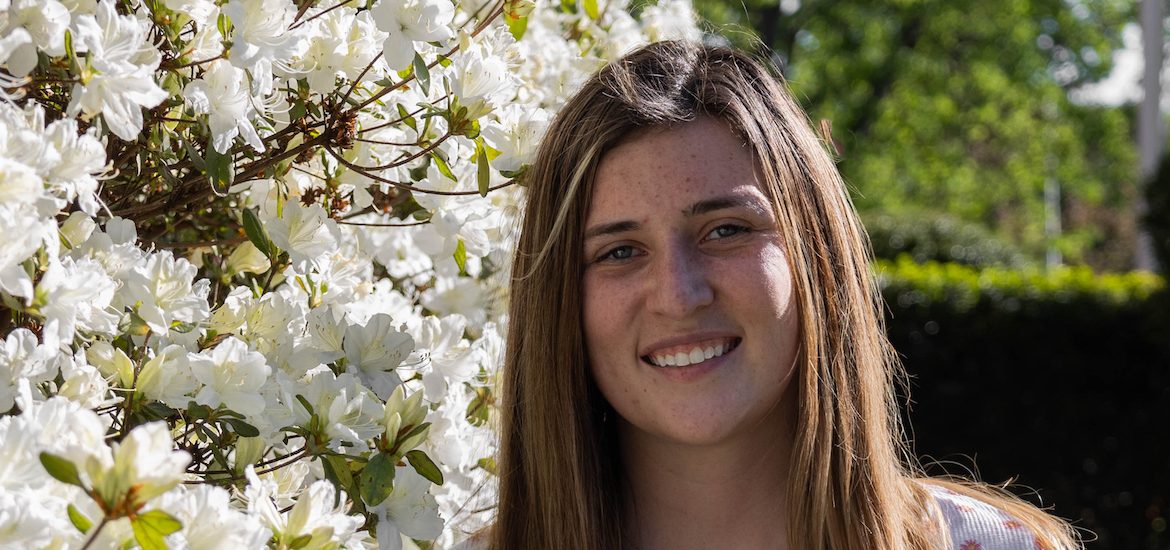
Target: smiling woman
[{"x": 696, "y": 356}]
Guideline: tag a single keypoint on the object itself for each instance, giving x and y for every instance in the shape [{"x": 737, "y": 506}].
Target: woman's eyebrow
[
  {"x": 731, "y": 201},
  {"x": 611, "y": 228}
]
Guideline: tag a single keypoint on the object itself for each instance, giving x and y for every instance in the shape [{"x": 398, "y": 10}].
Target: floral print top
[{"x": 976, "y": 525}]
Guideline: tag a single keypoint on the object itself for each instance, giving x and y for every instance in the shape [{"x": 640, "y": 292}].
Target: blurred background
[{"x": 1006, "y": 156}]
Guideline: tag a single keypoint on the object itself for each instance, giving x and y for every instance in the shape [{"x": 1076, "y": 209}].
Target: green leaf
[
  {"x": 406, "y": 118},
  {"x": 337, "y": 471},
  {"x": 297, "y": 111},
  {"x": 151, "y": 529},
  {"x": 79, "y": 520},
  {"x": 517, "y": 26},
  {"x": 422, "y": 73},
  {"x": 242, "y": 428},
  {"x": 376, "y": 481},
  {"x": 69, "y": 52},
  {"x": 61, "y": 469},
  {"x": 219, "y": 170},
  {"x": 196, "y": 411},
  {"x": 488, "y": 464},
  {"x": 591, "y": 8},
  {"x": 305, "y": 403},
  {"x": 442, "y": 165},
  {"x": 461, "y": 257},
  {"x": 257, "y": 234},
  {"x": 483, "y": 173},
  {"x": 425, "y": 466},
  {"x": 300, "y": 542},
  {"x": 224, "y": 24}
]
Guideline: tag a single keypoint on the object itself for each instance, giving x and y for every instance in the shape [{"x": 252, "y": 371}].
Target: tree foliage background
[{"x": 963, "y": 107}]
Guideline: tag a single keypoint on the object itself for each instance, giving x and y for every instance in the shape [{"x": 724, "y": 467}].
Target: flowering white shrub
[{"x": 253, "y": 256}]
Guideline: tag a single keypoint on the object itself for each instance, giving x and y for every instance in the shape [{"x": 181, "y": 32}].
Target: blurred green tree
[{"x": 962, "y": 106}]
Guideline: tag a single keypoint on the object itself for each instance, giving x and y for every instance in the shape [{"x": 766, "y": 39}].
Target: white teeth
[{"x": 694, "y": 356}]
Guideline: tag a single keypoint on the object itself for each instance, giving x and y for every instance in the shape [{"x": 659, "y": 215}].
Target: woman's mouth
[{"x": 691, "y": 354}]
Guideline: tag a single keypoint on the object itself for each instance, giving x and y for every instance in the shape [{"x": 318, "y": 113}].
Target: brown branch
[
  {"x": 197, "y": 244},
  {"x": 361, "y": 170},
  {"x": 411, "y": 158},
  {"x": 319, "y": 14},
  {"x": 371, "y": 224}
]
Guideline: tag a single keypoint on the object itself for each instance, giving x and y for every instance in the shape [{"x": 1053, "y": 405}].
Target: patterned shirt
[{"x": 976, "y": 525}]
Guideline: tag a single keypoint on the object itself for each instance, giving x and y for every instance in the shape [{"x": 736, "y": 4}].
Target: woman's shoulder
[{"x": 978, "y": 525}]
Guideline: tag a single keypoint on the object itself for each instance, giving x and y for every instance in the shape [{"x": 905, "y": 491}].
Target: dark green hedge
[{"x": 1059, "y": 380}]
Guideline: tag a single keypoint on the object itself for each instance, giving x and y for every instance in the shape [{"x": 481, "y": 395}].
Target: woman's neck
[{"x": 726, "y": 495}]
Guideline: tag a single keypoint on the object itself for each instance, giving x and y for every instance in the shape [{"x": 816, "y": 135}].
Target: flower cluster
[{"x": 253, "y": 260}]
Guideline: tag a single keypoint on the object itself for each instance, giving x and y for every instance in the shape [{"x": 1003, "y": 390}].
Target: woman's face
[{"x": 690, "y": 321}]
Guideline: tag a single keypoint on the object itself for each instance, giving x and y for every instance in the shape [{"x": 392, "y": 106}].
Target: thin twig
[
  {"x": 197, "y": 244},
  {"x": 361, "y": 170},
  {"x": 318, "y": 14},
  {"x": 371, "y": 224},
  {"x": 411, "y": 158}
]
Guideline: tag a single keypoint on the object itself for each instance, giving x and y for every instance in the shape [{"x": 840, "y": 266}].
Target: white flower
[
  {"x": 28, "y": 519},
  {"x": 82, "y": 157},
  {"x": 409, "y": 21},
  {"x": 670, "y": 20},
  {"x": 165, "y": 292},
  {"x": 23, "y": 362},
  {"x": 246, "y": 258},
  {"x": 409, "y": 510},
  {"x": 24, "y": 231},
  {"x": 515, "y": 136},
  {"x": 232, "y": 376},
  {"x": 112, "y": 362},
  {"x": 347, "y": 411},
  {"x": 19, "y": 183},
  {"x": 447, "y": 352},
  {"x": 202, "y": 12},
  {"x": 317, "y": 513},
  {"x": 167, "y": 377},
  {"x": 262, "y": 38},
  {"x": 122, "y": 63},
  {"x": 271, "y": 322},
  {"x": 46, "y": 22},
  {"x": 480, "y": 80},
  {"x": 75, "y": 295},
  {"x": 374, "y": 350},
  {"x": 83, "y": 383},
  {"x": 11, "y": 45},
  {"x": 210, "y": 522},
  {"x": 223, "y": 94},
  {"x": 342, "y": 43},
  {"x": 459, "y": 295},
  {"x": 77, "y": 228},
  {"x": 142, "y": 466},
  {"x": 325, "y": 332},
  {"x": 56, "y": 425},
  {"x": 304, "y": 232}
]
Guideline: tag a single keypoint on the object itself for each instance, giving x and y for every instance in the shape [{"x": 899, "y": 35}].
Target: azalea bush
[{"x": 253, "y": 260}]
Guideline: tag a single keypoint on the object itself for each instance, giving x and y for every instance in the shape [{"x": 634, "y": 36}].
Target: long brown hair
[{"x": 852, "y": 484}]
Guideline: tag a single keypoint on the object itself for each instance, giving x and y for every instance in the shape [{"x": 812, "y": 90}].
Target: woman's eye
[
  {"x": 618, "y": 254},
  {"x": 727, "y": 230}
]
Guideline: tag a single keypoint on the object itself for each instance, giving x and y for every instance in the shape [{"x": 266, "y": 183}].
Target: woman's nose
[{"x": 680, "y": 283}]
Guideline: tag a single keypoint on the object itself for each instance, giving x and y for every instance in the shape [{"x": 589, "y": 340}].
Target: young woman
[{"x": 696, "y": 355}]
